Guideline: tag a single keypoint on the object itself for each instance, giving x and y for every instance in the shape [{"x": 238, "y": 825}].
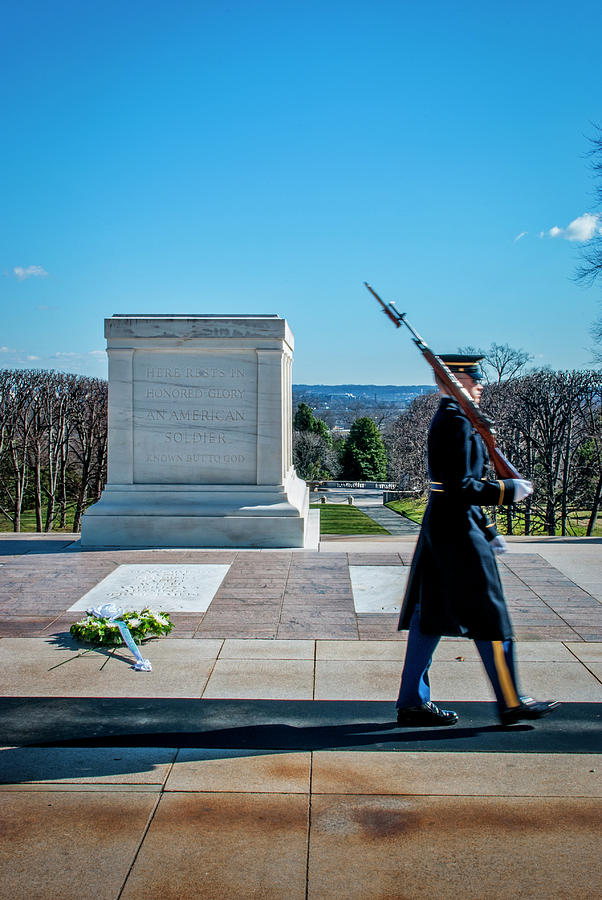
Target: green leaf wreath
[{"x": 142, "y": 625}]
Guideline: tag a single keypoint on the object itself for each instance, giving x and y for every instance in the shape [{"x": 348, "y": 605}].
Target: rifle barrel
[{"x": 393, "y": 314}]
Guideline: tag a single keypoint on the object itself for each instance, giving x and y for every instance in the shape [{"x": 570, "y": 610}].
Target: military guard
[{"x": 454, "y": 586}]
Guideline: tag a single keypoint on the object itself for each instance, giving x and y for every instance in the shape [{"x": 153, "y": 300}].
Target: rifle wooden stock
[{"x": 479, "y": 421}]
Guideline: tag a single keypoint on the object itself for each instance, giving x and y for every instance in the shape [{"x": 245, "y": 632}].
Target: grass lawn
[
  {"x": 576, "y": 527},
  {"x": 339, "y": 518},
  {"x": 414, "y": 510},
  {"x": 28, "y": 520},
  {"x": 579, "y": 520},
  {"x": 409, "y": 508}
]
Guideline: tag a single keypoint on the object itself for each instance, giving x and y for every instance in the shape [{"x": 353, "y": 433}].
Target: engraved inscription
[
  {"x": 191, "y": 425},
  {"x": 195, "y": 415},
  {"x": 179, "y": 393},
  {"x": 167, "y": 372},
  {"x": 228, "y": 459},
  {"x": 195, "y": 437}
]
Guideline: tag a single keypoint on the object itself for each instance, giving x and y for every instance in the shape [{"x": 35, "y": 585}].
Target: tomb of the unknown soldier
[{"x": 200, "y": 435}]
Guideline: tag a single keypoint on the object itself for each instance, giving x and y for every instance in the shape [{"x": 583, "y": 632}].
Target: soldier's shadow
[
  {"x": 284, "y": 738},
  {"x": 113, "y": 755}
]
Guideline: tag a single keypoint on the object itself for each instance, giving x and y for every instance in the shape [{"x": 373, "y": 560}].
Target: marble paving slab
[
  {"x": 378, "y": 589},
  {"x": 65, "y": 845},
  {"x": 476, "y": 848},
  {"x": 171, "y": 588}
]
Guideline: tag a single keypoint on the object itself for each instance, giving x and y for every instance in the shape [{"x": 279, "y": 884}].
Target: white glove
[
  {"x": 499, "y": 545},
  {"x": 522, "y": 489}
]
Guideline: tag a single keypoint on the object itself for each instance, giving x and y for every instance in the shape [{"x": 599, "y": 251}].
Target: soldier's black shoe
[
  {"x": 527, "y": 709},
  {"x": 427, "y": 714}
]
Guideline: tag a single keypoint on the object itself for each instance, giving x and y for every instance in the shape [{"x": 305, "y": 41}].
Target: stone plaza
[{"x": 260, "y": 757}]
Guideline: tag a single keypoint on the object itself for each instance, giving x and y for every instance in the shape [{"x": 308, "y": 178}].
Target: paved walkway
[
  {"x": 260, "y": 758},
  {"x": 392, "y": 521},
  {"x": 371, "y": 503}
]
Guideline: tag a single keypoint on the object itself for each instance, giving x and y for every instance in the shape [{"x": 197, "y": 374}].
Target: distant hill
[
  {"x": 341, "y": 404},
  {"x": 381, "y": 393}
]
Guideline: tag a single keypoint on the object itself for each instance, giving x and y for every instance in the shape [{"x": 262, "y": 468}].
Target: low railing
[{"x": 358, "y": 485}]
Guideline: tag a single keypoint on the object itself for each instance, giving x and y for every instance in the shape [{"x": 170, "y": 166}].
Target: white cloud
[
  {"x": 21, "y": 272},
  {"x": 519, "y": 236},
  {"x": 583, "y": 228},
  {"x": 72, "y": 353},
  {"x": 32, "y": 357},
  {"x": 7, "y": 350}
]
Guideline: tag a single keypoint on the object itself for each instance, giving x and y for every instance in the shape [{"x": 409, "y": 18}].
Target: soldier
[{"x": 454, "y": 586}]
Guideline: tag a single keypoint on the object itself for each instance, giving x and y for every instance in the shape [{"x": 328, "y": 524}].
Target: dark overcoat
[{"x": 454, "y": 575}]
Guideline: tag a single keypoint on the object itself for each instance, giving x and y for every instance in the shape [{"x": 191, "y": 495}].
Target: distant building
[{"x": 338, "y": 432}]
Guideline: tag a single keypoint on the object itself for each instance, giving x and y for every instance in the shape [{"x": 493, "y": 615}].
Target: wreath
[{"x": 142, "y": 625}]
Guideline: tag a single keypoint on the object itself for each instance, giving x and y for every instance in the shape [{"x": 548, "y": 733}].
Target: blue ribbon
[{"x": 113, "y": 613}]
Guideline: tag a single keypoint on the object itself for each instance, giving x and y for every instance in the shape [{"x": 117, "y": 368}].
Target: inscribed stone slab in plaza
[{"x": 172, "y": 588}]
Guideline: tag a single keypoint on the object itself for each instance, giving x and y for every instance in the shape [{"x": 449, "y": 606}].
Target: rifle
[{"x": 479, "y": 421}]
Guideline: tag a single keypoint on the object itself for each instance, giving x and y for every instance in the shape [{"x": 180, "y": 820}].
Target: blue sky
[{"x": 269, "y": 157}]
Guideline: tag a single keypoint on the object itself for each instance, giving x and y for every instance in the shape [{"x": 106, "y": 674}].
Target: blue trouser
[{"x": 497, "y": 657}]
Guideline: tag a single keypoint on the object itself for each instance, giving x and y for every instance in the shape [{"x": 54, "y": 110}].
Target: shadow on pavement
[
  {"x": 284, "y": 725},
  {"x": 19, "y": 546}
]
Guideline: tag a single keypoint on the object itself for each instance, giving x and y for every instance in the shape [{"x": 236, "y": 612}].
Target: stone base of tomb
[{"x": 220, "y": 515}]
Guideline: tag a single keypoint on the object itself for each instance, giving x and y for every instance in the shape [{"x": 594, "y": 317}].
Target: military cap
[{"x": 469, "y": 363}]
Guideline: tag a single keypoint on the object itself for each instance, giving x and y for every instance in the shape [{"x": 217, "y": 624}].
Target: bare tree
[
  {"x": 58, "y": 395},
  {"x": 548, "y": 424},
  {"x": 38, "y": 392},
  {"x": 590, "y": 464},
  {"x": 89, "y": 441},
  {"x": 19, "y": 409},
  {"x": 382, "y": 412},
  {"x": 64, "y": 450},
  {"x": 312, "y": 456},
  {"x": 50, "y": 394},
  {"x": 590, "y": 266},
  {"x": 406, "y": 443},
  {"x": 502, "y": 401},
  {"x": 53, "y": 444},
  {"x": 501, "y": 362},
  {"x": 545, "y": 420}
]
